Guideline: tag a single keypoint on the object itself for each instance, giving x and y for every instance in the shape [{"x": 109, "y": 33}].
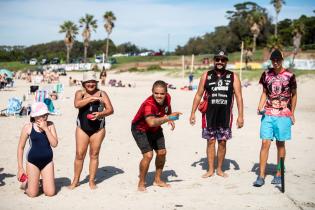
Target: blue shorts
[{"x": 273, "y": 127}]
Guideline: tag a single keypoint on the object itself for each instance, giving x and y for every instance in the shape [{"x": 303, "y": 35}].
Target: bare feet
[
  {"x": 141, "y": 187},
  {"x": 208, "y": 174},
  {"x": 73, "y": 185},
  {"x": 92, "y": 185},
  {"x": 161, "y": 184},
  {"x": 222, "y": 174}
]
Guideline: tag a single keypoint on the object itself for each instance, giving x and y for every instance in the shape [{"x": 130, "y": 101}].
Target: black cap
[
  {"x": 276, "y": 55},
  {"x": 221, "y": 54}
]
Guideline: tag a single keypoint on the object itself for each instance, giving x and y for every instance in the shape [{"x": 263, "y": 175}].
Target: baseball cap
[
  {"x": 276, "y": 55},
  {"x": 221, "y": 54}
]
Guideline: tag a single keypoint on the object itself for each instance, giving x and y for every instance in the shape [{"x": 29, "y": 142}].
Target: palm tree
[
  {"x": 277, "y": 4},
  {"x": 109, "y": 25},
  {"x": 297, "y": 33},
  {"x": 71, "y": 30},
  {"x": 88, "y": 23},
  {"x": 256, "y": 20}
]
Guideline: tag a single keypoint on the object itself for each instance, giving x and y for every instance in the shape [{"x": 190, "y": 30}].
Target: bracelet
[{"x": 173, "y": 117}]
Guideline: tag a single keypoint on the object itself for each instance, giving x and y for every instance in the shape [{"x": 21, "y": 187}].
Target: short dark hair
[{"x": 160, "y": 83}]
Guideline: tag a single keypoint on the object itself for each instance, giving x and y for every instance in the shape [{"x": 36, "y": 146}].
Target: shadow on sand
[
  {"x": 62, "y": 182},
  {"x": 203, "y": 162},
  {"x": 271, "y": 169},
  {"x": 3, "y": 176},
  {"x": 103, "y": 173},
  {"x": 165, "y": 177}
]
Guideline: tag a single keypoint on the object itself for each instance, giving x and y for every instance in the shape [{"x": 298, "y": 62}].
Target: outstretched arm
[{"x": 157, "y": 121}]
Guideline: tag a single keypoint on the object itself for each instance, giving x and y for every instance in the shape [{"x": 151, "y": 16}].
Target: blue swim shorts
[{"x": 274, "y": 127}]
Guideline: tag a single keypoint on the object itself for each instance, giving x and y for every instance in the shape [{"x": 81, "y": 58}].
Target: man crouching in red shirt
[{"x": 147, "y": 131}]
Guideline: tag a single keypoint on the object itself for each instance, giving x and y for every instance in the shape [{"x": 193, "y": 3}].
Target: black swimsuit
[
  {"x": 40, "y": 153},
  {"x": 91, "y": 126}
]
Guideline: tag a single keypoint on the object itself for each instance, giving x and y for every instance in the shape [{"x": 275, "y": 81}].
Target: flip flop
[
  {"x": 259, "y": 182},
  {"x": 276, "y": 180}
]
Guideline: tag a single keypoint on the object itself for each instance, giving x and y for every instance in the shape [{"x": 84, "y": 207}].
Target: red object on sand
[
  {"x": 90, "y": 116},
  {"x": 23, "y": 177}
]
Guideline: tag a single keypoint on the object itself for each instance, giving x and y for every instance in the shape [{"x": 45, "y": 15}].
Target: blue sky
[{"x": 146, "y": 23}]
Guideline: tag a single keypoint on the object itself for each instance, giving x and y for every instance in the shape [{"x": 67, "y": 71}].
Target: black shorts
[{"x": 148, "y": 141}]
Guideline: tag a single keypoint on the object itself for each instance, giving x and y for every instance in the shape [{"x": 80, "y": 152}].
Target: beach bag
[{"x": 202, "y": 107}]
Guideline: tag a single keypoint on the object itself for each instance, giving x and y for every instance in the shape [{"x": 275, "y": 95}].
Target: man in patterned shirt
[{"x": 277, "y": 105}]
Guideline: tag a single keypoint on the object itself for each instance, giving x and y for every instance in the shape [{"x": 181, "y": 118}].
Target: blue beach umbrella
[{"x": 6, "y": 71}]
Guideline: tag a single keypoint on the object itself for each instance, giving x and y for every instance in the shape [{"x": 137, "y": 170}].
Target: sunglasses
[{"x": 220, "y": 59}]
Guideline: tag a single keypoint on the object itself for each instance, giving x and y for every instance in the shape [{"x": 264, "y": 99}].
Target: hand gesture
[
  {"x": 42, "y": 124},
  {"x": 239, "y": 122},
  {"x": 93, "y": 98},
  {"x": 97, "y": 115},
  {"x": 19, "y": 173},
  {"x": 293, "y": 119},
  {"x": 172, "y": 124},
  {"x": 192, "y": 119},
  {"x": 174, "y": 116}
]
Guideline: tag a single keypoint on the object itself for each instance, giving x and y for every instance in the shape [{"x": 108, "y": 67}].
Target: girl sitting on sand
[{"x": 42, "y": 136}]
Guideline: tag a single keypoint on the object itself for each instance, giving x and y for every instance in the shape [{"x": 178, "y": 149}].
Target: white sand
[{"x": 186, "y": 158}]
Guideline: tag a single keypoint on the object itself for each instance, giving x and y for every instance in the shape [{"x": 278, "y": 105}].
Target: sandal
[
  {"x": 276, "y": 180},
  {"x": 259, "y": 182}
]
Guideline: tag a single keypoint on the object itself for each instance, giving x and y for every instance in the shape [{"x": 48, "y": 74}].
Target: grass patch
[{"x": 15, "y": 66}]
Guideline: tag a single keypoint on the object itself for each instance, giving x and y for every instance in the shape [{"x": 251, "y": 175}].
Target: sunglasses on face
[
  {"x": 276, "y": 61},
  {"x": 223, "y": 60}
]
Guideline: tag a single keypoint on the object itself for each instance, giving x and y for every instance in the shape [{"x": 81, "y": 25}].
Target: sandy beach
[{"x": 186, "y": 157}]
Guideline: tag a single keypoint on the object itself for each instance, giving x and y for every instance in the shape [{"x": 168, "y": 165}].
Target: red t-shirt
[{"x": 151, "y": 108}]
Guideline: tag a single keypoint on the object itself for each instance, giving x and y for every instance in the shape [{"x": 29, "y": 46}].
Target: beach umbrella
[{"x": 6, "y": 71}]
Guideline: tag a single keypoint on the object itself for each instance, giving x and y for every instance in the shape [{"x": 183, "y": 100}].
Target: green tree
[
  {"x": 88, "y": 22},
  {"x": 257, "y": 20},
  {"x": 109, "y": 18},
  {"x": 252, "y": 15},
  {"x": 71, "y": 31},
  {"x": 277, "y": 4}
]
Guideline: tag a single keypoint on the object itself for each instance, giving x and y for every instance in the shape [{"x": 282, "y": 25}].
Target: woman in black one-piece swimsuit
[{"x": 94, "y": 105}]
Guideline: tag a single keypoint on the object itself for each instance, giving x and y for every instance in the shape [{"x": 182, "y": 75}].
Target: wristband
[{"x": 173, "y": 117}]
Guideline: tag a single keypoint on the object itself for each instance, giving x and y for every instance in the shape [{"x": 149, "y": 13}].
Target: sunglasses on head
[{"x": 220, "y": 59}]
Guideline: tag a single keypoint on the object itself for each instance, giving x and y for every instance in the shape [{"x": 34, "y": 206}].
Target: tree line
[{"x": 251, "y": 23}]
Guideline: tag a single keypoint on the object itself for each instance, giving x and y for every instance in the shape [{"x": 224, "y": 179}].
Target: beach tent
[{"x": 6, "y": 71}]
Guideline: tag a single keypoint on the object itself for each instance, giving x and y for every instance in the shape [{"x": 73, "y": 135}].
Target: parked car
[
  {"x": 44, "y": 61},
  {"x": 33, "y": 61},
  {"x": 62, "y": 71},
  {"x": 99, "y": 59},
  {"x": 147, "y": 53},
  {"x": 55, "y": 61},
  {"x": 77, "y": 60}
]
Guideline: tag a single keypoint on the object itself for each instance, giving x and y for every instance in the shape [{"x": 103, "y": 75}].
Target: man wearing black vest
[{"x": 221, "y": 86}]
